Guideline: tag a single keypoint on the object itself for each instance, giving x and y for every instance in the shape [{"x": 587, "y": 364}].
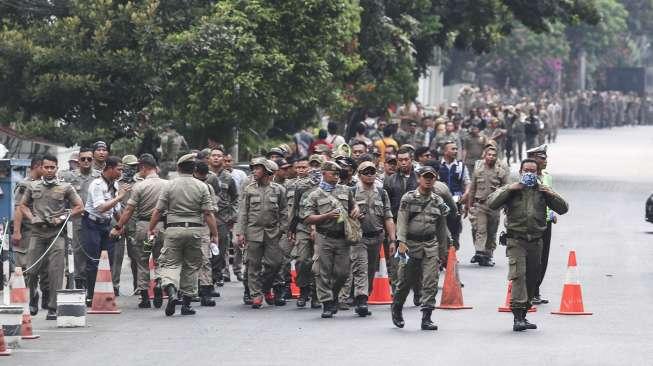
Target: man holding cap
[
  {"x": 324, "y": 208},
  {"x": 142, "y": 200},
  {"x": 376, "y": 220},
  {"x": 421, "y": 229}
]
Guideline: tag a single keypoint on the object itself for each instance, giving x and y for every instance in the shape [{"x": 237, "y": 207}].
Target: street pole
[{"x": 582, "y": 59}]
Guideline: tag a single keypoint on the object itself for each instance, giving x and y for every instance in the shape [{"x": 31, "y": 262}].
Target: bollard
[
  {"x": 11, "y": 318},
  {"x": 71, "y": 308}
]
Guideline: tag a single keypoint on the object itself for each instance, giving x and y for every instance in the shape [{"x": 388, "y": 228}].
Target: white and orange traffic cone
[
  {"x": 20, "y": 296},
  {"x": 294, "y": 290},
  {"x": 572, "y": 295},
  {"x": 104, "y": 300},
  {"x": 381, "y": 292},
  {"x": 452, "y": 293},
  {"x": 4, "y": 351}
]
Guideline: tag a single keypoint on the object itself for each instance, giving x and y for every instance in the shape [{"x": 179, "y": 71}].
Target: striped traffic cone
[
  {"x": 4, "y": 351},
  {"x": 104, "y": 300},
  {"x": 381, "y": 293},
  {"x": 572, "y": 295},
  {"x": 506, "y": 308},
  {"x": 20, "y": 296},
  {"x": 294, "y": 290}
]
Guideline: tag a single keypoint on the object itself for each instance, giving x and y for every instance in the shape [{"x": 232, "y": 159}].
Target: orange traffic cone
[
  {"x": 104, "y": 301},
  {"x": 452, "y": 294},
  {"x": 506, "y": 307},
  {"x": 572, "y": 296},
  {"x": 294, "y": 290},
  {"x": 4, "y": 351},
  {"x": 20, "y": 296},
  {"x": 381, "y": 293}
]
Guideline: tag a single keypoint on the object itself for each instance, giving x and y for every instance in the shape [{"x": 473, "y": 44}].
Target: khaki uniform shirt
[
  {"x": 49, "y": 201},
  {"x": 227, "y": 195},
  {"x": 185, "y": 199},
  {"x": 320, "y": 202},
  {"x": 263, "y": 212},
  {"x": 422, "y": 223},
  {"x": 145, "y": 195},
  {"x": 486, "y": 180},
  {"x": 80, "y": 181},
  {"x": 374, "y": 203},
  {"x": 298, "y": 187},
  {"x": 474, "y": 145},
  {"x": 442, "y": 190}
]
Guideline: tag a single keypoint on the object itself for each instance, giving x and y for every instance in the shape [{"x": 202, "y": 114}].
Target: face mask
[
  {"x": 529, "y": 179},
  {"x": 128, "y": 173},
  {"x": 315, "y": 176}
]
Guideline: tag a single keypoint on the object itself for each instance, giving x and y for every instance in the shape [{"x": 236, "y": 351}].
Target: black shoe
[
  {"x": 279, "y": 299},
  {"x": 34, "y": 303},
  {"x": 397, "y": 315},
  {"x": 361, "y": 306},
  {"x": 303, "y": 297},
  {"x": 172, "y": 299},
  {"x": 328, "y": 307},
  {"x": 214, "y": 292},
  {"x": 247, "y": 298},
  {"x": 205, "y": 296},
  {"x": 116, "y": 291},
  {"x": 52, "y": 315},
  {"x": 537, "y": 300},
  {"x": 158, "y": 294},
  {"x": 417, "y": 298},
  {"x": 239, "y": 277},
  {"x": 145, "y": 300},
  {"x": 485, "y": 261},
  {"x": 219, "y": 282},
  {"x": 89, "y": 302},
  {"x": 45, "y": 298},
  {"x": 474, "y": 258},
  {"x": 80, "y": 284},
  {"x": 518, "y": 322},
  {"x": 186, "y": 309},
  {"x": 226, "y": 278},
  {"x": 427, "y": 323},
  {"x": 528, "y": 324},
  {"x": 315, "y": 304}
]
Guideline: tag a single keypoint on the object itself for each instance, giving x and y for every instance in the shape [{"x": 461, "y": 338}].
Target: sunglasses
[
  {"x": 85, "y": 159},
  {"x": 368, "y": 172}
]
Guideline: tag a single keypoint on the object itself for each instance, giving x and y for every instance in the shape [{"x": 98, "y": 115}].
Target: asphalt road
[{"x": 606, "y": 176}]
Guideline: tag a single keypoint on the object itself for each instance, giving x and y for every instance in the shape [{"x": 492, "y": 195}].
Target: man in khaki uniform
[
  {"x": 188, "y": 206},
  {"x": 323, "y": 208},
  {"x": 225, "y": 189},
  {"x": 473, "y": 146},
  {"x": 140, "y": 205},
  {"x": 374, "y": 205},
  {"x": 421, "y": 229},
  {"x": 20, "y": 247},
  {"x": 525, "y": 205},
  {"x": 49, "y": 199},
  {"x": 487, "y": 178},
  {"x": 308, "y": 178},
  {"x": 129, "y": 177},
  {"x": 172, "y": 143},
  {"x": 80, "y": 179},
  {"x": 262, "y": 219}
]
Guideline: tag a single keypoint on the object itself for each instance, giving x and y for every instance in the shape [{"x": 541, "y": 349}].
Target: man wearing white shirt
[{"x": 102, "y": 203}]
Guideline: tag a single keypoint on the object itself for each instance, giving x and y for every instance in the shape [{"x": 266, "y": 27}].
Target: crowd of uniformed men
[{"x": 398, "y": 185}]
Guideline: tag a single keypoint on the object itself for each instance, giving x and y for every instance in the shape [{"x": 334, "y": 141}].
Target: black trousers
[{"x": 544, "y": 261}]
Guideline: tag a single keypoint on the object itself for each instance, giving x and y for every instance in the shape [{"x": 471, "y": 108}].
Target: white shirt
[
  {"x": 239, "y": 177},
  {"x": 98, "y": 194}
]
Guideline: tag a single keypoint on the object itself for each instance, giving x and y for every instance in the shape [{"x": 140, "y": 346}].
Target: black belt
[
  {"x": 332, "y": 234},
  {"x": 413, "y": 237},
  {"x": 373, "y": 234},
  {"x": 45, "y": 225},
  {"x": 183, "y": 224},
  {"x": 96, "y": 220}
]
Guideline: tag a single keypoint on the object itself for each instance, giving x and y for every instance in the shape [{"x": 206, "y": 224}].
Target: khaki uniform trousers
[
  {"x": 333, "y": 264},
  {"x": 485, "y": 223},
  {"x": 263, "y": 261},
  {"x": 416, "y": 268},
  {"x": 143, "y": 258},
  {"x": 181, "y": 258},
  {"x": 523, "y": 270},
  {"x": 53, "y": 262},
  {"x": 364, "y": 264}
]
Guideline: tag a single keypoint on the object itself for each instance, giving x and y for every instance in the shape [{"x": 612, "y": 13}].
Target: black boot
[
  {"x": 214, "y": 292},
  {"x": 45, "y": 297},
  {"x": 80, "y": 284},
  {"x": 145, "y": 300},
  {"x": 427, "y": 323},
  {"x": 361, "y": 306},
  {"x": 417, "y": 297},
  {"x": 279, "y": 299},
  {"x": 475, "y": 257},
  {"x": 518, "y": 323},
  {"x": 397, "y": 315},
  {"x": 172, "y": 299},
  {"x": 527, "y": 324},
  {"x": 303, "y": 297},
  {"x": 205, "y": 296},
  {"x": 186, "y": 309},
  {"x": 328, "y": 307},
  {"x": 158, "y": 294},
  {"x": 34, "y": 302},
  {"x": 52, "y": 315}
]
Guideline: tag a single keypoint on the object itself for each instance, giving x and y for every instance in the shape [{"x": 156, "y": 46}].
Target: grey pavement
[{"x": 606, "y": 176}]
